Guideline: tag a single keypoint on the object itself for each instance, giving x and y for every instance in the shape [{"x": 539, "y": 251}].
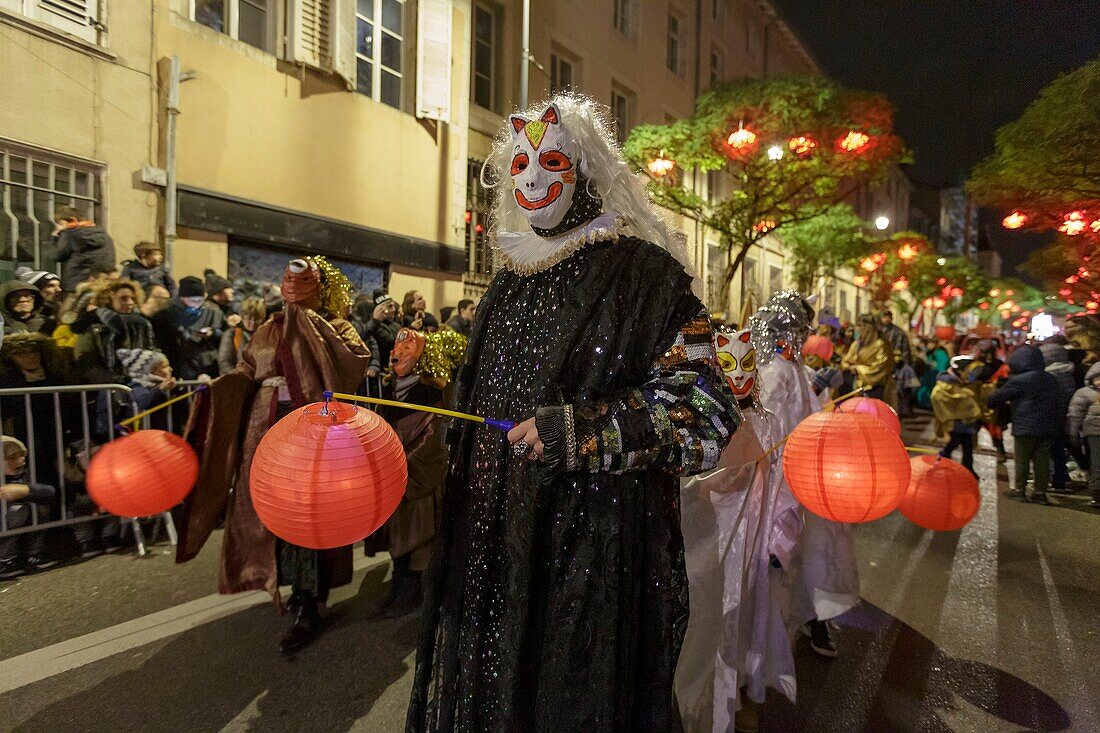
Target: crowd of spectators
[{"x": 98, "y": 325}]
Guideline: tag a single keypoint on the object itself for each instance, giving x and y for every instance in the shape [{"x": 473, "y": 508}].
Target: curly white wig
[{"x": 601, "y": 163}]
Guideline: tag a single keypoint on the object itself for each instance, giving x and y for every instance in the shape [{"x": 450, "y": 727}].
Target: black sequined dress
[{"x": 557, "y": 600}]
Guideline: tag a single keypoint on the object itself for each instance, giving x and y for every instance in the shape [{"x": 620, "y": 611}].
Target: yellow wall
[
  {"x": 439, "y": 290},
  {"x": 58, "y": 96}
]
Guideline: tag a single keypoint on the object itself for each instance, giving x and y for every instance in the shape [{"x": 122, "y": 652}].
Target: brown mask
[
  {"x": 407, "y": 348},
  {"x": 302, "y": 283}
]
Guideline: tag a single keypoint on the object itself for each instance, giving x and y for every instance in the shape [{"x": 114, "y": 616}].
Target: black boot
[
  {"x": 306, "y": 627},
  {"x": 408, "y": 597}
]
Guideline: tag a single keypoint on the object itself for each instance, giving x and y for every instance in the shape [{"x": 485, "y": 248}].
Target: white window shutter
[
  {"x": 343, "y": 57},
  {"x": 433, "y": 60},
  {"x": 311, "y": 33},
  {"x": 78, "y": 17}
]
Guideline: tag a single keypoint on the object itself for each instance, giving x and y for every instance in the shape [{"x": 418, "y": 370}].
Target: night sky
[{"x": 956, "y": 70}]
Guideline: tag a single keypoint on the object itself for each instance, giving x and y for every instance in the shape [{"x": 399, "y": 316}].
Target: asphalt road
[{"x": 992, "y": 628}]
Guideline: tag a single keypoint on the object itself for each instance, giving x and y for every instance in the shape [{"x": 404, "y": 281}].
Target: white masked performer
[
  {"x": 557, "y": 597},
  {"x": 824, "y": 574},
  {"x": 740, "y": 526}
]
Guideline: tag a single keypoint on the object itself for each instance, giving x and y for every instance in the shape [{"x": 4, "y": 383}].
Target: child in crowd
[
  {"x": 149, "y": 268},
  {"x": 957, "y": 409},
  {"x": 22, "y": 552}
]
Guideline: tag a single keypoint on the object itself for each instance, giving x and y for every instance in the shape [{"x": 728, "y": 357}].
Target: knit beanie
[
  {"x": 380, "y": 296},
  {"x": 138, "y": 363},
  {"x": 192, "y": 287},
  {"x": 215, "y": 283},
  {"x": 37, "y": 278}
]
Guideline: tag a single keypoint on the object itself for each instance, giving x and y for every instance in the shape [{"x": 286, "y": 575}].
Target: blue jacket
[{"x": 1033, "y": 395}]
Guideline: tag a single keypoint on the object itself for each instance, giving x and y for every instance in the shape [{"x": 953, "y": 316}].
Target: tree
[
  {"x": 824, "y": 243},
  {"x": 1045, "y": 165},
  {"x": 791, "y": 148}
]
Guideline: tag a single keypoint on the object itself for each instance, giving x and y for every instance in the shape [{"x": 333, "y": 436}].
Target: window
[
  {"x": 672, "y": 60},
  {"x": 485, "y": 57},
  {"x": 845, "y": 314},
  {"x": 622, "y": 108},
  {"x": 33, "y": 183},
  {"x": 750, "y": 284},
  {"x": 479, "y": 257},
  {"x": 379, "y": 50},
  {"x": 76, "y": 17},
  {"x": 246, "y": 20},
  {"x": 717, "y": 66},
  {"x": 775, "y": 279},
  {"x": 562, "y": 77},
  {"x": 624, "y": 16},
  {"x": 716, "y": 270},
  {"x": 713, "y": 179}
]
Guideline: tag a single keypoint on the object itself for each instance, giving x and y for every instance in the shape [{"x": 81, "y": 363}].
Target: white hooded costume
[
  {"x": 734, "y": 519},
  {"x": 823, "y": 571}
]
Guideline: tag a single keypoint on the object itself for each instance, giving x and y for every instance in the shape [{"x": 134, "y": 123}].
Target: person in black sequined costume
[{"x": 557, "y": 599}]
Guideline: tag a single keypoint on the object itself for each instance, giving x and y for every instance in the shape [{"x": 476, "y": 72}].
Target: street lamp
[
  {"x": 941, "y": 261},
  {"x": 882, "y": 223},
  {"x": 775, "y": 153}
]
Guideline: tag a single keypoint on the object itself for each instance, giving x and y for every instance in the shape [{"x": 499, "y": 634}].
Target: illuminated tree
[
  {"x": 1044, "y": 168},
  {"x": 823, "y": 244},
  {"x": 790, "y": 149}
]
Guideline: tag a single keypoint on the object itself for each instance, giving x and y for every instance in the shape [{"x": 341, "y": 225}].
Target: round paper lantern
[
  {"x": 945, "y": 333},
  {"x": 942, "y": 494},
  {"x": 146, "y": 472},
  {"x": 328, "y": 478},
  {"x": 819, "y": 346},
  {"x": 846, "y": 466},
  {"x": 876, "y": 408}
]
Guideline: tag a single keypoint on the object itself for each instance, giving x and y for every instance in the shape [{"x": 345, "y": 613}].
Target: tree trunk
[{"x": 733, "y": 264}]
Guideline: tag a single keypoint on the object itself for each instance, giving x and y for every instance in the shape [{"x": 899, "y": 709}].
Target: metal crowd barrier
[{"x": 74, "y": 423}]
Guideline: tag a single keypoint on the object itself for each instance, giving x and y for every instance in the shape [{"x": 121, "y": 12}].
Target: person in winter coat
[
  {"x": 1084, "y": 426},
  {"x": 49, "y": 285},
  {"x": 988, "y": 371},
  {"x": 149, "y": 376},
  {"x": 1033, "y": 396},
  {"x": 253, "y": 314},
  {"x": 149, "y": 268},
  {"x": 22, "y": 552},
  {"x": 1057, "y": 361},
  {"x": 117, "y": 325},
  {"x": 21, "y": 306},
  {"x": 189, "y": 331},
  {"x": 382, "y": 326},
  {"x": 80, "y": 244},
  {"x": 957, "y": 410}
]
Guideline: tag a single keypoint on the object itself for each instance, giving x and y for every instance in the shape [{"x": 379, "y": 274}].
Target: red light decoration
[
  {"x": 942, "y": 495},
  {"x": 875, "y": 408},
  {"x": 147, "y": 472},
  {"x": 927, "y": 302},
  {"x": 1071, "y": 280},
  {"x": 1092, "y": 305},
  {"x": 1010, "y": 292},
  {"x": 1095, "y": 226},
  {"x": 764, "y": 225},
  {"x": 900, "y": 284},
  {"x": 846, "y": 467},
  {"x": 1065, "y": 292},
  {"x": 907, "y": 252},
  {"x": 741, "y": 138},
  {"x": 1084, "y": 273},
  {"x": 469, "y": 216},
  {"x": 818, "y": 346},
  {"x": 854, "y": 142},
  {"x": 938, "y": 303},
  {"x": 868, "y": 264},
  {"x": 994, "y": 292},
  {"x": 328, "y": 480},
  {"x": 860, "y": 280},
  {"x": 941, "y": 281},
  {"x": 661, "y": 166},
  {"x": 945, "y": 333},
  {"x": 956, "y": 292},
  {"x": 1074, "y": 223},
  {"x": 801, "y": 145},
  {"x": 1015, "y": 220},
  {"x": 984, "y": 306}
]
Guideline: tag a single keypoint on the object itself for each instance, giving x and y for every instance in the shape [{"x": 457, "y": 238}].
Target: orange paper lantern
[
  {"x": 819, "y": 346},
  {"x": 942, "y": 494},
  {"x": 328, "y": 478},
  {"x": 875, "y": 408},
  {"x": 147, "y": 472},
  {"x": 845, "y": 466},
  {"x": 945, "y": 333}
]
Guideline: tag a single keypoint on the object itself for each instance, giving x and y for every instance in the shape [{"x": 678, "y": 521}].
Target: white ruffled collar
[{"x": 526, "y": 253}]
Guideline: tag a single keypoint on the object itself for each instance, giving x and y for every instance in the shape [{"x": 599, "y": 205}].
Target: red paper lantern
[
  {"x": 818, "y": 346},
  {"x": 875, "y": 408},
  {"x": 146, "y": 472},
  {"x": 846, "y": 467},
  {"x": 945, "y": 333},
  {"x": 324, "y": 479},
  {"x": 942, "y": 494}
]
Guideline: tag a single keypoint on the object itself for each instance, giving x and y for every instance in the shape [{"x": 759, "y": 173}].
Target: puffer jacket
[
  {"x": 1032, "y": 393},
  {"x": 1084, "y": 421},
  {"x": 1056, "y": 359},
  {"x": 81, "y": 246}
]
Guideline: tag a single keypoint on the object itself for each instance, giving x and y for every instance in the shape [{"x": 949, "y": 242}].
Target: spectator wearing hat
[
  {"x": 80, "y": 245},
  {"x": 189, "y": 331},
  {"x": 149, "y": 269},
  {"x": 22, "y": 552},
  {"x": 21, "y": 306},
  {"x": 382, "y": 326},
  {"x": 49, "y": 285},
  {"x": 219, "y": 291},
  {"x": 149, "y": 376}
]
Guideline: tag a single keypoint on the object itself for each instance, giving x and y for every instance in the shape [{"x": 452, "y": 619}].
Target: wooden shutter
[
  {"x": 433, "y": 60},
  {"x": 343, "y": 56},
  {"x": 311, "y": 33},
  {"x": 77, "y": 17}
]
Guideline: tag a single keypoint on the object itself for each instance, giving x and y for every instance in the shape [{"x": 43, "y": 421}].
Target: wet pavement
[{"x": 994, "y": 627}]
